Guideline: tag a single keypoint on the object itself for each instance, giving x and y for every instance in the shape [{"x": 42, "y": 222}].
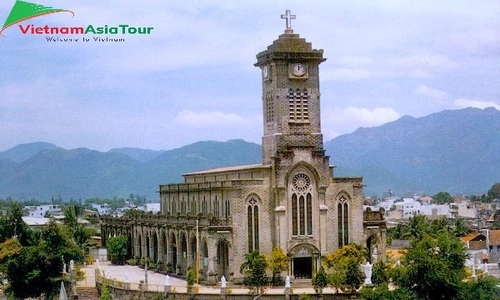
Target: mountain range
[{"x": 453, "y": 151}]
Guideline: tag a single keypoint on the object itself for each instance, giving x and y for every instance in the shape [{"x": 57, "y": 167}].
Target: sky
[{"x": 192, "y": 78}]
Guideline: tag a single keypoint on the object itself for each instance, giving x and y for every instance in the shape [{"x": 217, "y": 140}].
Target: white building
[
  {"x": 102, "y": 209},
  {"x": 42, "y": 211}
]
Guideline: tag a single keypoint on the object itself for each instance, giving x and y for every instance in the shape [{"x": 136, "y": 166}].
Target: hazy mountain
[
  {"x": 22, "y": 152},
  {"x": 454, "y": 151},
  {"x": 142, "y": 155},
  {"x": 84, "y": 173}
]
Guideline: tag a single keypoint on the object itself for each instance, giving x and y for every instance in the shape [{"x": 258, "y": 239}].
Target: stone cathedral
[{"x": 291, "y": 201}]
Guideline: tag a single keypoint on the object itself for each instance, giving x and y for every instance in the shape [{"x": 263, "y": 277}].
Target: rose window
[{"x": 301, "y": 182}]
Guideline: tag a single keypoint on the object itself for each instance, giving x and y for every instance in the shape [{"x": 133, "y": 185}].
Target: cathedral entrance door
[
  {"x": 223, "y": 259},
  {"x": 302, "y": 267},
  {"x": 304, "y": 260}
]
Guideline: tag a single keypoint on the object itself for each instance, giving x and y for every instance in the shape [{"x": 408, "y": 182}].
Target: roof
[
  {"x": 32, "y": 221},
  {"x": 395, "y": 253},
  {"x": 495, "y": 237},
  {"x": 473, "y": 237},
  {"x": 227, "y": 169}
]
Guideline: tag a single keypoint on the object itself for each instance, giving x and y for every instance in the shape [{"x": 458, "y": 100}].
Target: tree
[
  {"x": 277, "y": 263},
  {"x": 254, "y": 269},
  {"x": 37, "y": 268},
  {"x": 382, "y": 292},
  {"x": 494, "y": 192},
  {"x": 417, "y": 227},
  {"x": 380, "y": 273},
  {"x": 117, "y": 249},
  {"x": 485, "y": 288},
  {"x": 320, "y": 281},
  {"x": 12, "y": 225},
  {"x": 344, "y": 264},
  {"x": 442, "y": 198},
  {"x": 434, "y": 267}
]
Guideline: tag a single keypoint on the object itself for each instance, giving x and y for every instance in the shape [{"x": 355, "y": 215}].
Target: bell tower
[{"x": 290, "y": 95}]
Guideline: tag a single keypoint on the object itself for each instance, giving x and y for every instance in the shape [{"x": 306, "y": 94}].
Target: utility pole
[{"x": 197, "y": 265}]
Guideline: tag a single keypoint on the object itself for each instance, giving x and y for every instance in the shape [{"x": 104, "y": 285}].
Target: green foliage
[
  {"x": 13, "y": 225},
  {"x": 419, "y": 226},
  {"x": 494, "y": 192},
  {"x": 304, "y": 297},
  {"x": 277, "y": 263},
  {"x": 254, "y": 270},
  {"x": 38, "y": 267},
  {"x": 380, "y": 274},
  {"x": 434, "y": 267},
  {"x": 320, "y": 280},
  {"x": 382, "y": 292},
  {"x": 344, "y": 264},
  {"x": 190, "y": 277},
  {"x": 105, "y": 294},
  {"x": 442, "y": 198},
  {"x": 117, "y": 249},
  {"x": 485, "y": 288}
]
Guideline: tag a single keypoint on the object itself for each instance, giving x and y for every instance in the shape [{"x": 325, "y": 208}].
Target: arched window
[
  {"x": 174, "y": 206},
  {"x": 204, "y": 206},
  {"x": 253, "y": 225},
  {"x": 343, "y": 219},
  {"x": 216, "y": 207},
  {"x": 193, "y": 206},
  {"x": 227, "y": 208},
  {"x": 301, "y": 217}
]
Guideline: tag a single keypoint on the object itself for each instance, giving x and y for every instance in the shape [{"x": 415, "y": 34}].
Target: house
[
  {"x": 42, "y": 211},
  {"x": 475, "y": 241}
]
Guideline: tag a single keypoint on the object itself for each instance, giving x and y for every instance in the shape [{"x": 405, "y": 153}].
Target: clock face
[
  {"x": 265, "y": 72},
  {"x": 299, "y": 70}
]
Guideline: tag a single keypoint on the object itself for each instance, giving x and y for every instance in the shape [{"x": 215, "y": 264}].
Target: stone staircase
[{"x": 87, "y": 293}]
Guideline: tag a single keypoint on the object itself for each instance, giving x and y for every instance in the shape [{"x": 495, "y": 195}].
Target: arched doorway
[
  {"x": 204, "y": 254},
  {"x": 172, "y": 263},
  {"x": 155, "y": 246},
  {"x": 303, "y": 261},
  {"x": 184, "y": 251},
  {"x": 148, "y": 243},
  {"x": 223, "y": 258},
  {"x": 371, "y": 246}
]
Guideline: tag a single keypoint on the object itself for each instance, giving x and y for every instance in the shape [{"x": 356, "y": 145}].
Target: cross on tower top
[{"x": 289, "y": 17}]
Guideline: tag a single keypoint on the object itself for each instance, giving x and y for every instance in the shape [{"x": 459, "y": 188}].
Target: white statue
[
  {"x": 65, "y": 270},
  {"x": 287, "y": 281},
  {"x": 167, "y": 280},
  {"x": 72, "y": 265},
  {"x": 368, "y": 273},
  {"x": 223, "y": 282}
]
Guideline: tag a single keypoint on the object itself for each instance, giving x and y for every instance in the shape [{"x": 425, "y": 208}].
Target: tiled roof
[{"x": 495, "y": 237}]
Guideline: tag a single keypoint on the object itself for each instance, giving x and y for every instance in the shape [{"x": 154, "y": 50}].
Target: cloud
[
  {"x": 462, "y": 103},
  {"x": 420, "y": 65},
  {"x": 430, "y": 92},
  {"x": 337, "y": 121}
]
